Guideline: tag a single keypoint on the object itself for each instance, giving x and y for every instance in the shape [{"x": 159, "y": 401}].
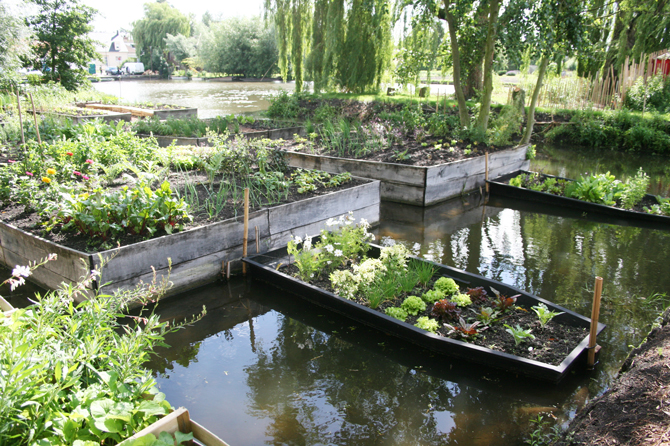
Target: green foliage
[
  {"x": 61, "y": 30},
  {"x": 413, "y": 305},
  {"x": 13, "y": 46},
  {"x": 465, "y": 330},
  {"x": 462, "y": 300},
  {"x": 397, "y": 313},
  {"x": 519, "y": 334},
  {"x": 431, "y": 296},
  {"x": 505, "y": 126},
  {"x": 284, "y": 106},
  {"x": 163, "y": 439},
  {"x": 102, "y": 216},
  {"x": 446, "y": 285},
  {"x": 656, "y": 90},
  {"x": 241, "y": 47},
  {"x": 662, "y": 208},
  {"x": 544, "y": 314},
  {"x": 487, "y": 315},
  {"x": 541, "y": 436},
  {"x": 311, "y": 180},
  {"x": 149, "y": 33},
  {"x": 636, "y": 189},
  {"x": 423, "y": 271},
  {"x": 428, "y": 324},
  {"x": 601, "y": 189},
  {"x": 74, "y": 373}
]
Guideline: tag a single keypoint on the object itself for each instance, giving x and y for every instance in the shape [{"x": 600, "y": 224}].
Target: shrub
[{"x": 657, "y": 92}]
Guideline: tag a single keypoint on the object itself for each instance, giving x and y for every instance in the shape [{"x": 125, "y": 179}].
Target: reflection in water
[
  {"x": 266, "y": 367},
  {"x": 572, "y": 163},
  {"x": 209, "y": 97}
]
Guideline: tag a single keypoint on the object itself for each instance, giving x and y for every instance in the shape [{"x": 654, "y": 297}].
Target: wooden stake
[
  {"x": 18, "y": 104},
  {"x": 595, "y": 312},
  {"x": 257, "y": 241},
  {"x": 37, "y": 129},
  {"x": 486, "y": 174},
  {"x": 228, "y": 270},
  {"x": 245, "y": 238}
]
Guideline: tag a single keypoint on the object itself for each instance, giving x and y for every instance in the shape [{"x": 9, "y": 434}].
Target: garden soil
[{"x": 635, "y": 410}]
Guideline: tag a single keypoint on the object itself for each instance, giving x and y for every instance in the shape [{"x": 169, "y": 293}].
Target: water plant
[
  {"x": 519, "y": 334},
  {"x": 544, "y": 314}
]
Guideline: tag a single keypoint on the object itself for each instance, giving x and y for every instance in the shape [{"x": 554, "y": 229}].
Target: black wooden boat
[
  {"x": 265, "y": 267},
  {"x": 500, "y": 187}
]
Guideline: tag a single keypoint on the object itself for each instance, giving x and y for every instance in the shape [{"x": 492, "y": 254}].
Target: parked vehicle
[
  {"x": 133, "y": 68},
  {"x": 113, "y": 71}
]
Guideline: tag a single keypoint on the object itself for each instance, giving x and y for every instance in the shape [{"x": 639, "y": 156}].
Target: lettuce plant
[
  {"x": 428, "y": 324},
  {"x": 478, "y": 295},
  {"x": 397, "y": 313},
  {"x": 446, "y": 286},
  {"x": 413, "y": 305},
  {"x": 431, "y": 296},
  {"x": 462, "y": 300},
  {"x": 445, "y": 310}
]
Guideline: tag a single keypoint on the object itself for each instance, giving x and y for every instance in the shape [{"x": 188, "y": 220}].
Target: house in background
[{"x": 114, "y": 52}]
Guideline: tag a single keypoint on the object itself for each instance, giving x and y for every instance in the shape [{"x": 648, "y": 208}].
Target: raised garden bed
[
  {"x": 501, "y": 187},
  {"x": 78, "y": 116},
  {"x": 162, "y": 112},
  {"x": 420, "y": 185},
  {"x": 271, "y": 268},
  {"x": 190, "y": 258}
]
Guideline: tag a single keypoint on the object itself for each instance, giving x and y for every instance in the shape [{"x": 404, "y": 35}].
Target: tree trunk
[
  {"x": 533, "y": 102},
  {"x": 456, "y": 59},
  {"x": 474, "y": 80},
  {"x": 485, "y": 109}
]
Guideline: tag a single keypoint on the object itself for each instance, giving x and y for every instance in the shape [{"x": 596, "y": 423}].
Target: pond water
[
  {"x": 211, "y": 98},
  {"x": 265, "y": 367}
]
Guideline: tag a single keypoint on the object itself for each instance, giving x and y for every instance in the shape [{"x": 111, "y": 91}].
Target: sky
[{"x": 115, "y": 14}]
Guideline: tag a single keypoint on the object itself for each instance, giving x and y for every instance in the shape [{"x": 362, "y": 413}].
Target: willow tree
[
  {"x": 344, "y": 44},
  {"x": 150, "y": 32}
]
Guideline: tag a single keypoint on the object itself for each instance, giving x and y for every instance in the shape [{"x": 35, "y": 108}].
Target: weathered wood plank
[
  {"x": 176, "y": 113},
  {"x": 287, "y": 133},
  {"x": 27, "y": 246},
  {"x": 402, "y": 193},
  {"x": 396, "y": 173},
  {"x": 294, "y": 215},
  {"x": 137, "y": 259}
]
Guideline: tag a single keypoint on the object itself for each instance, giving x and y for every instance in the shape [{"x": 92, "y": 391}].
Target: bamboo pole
[
  {"x": 37, "y": 129},
  {"x": 18, "y": 105},
  {"x": 245, "y": 238},
  {"x": 595, "y": 313}
]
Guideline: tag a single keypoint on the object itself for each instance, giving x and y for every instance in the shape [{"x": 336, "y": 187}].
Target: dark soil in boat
[{"x": 551, "y": 344}]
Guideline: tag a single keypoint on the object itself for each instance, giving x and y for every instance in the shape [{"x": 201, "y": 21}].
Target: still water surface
[
  {"x": 211, "y": 98},
  {"x": 263, "y": 367}
]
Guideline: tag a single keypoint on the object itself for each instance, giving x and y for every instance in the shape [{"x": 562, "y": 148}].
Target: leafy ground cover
[
  {"x": 601, "y": 189},
  {"x": 74, "y": 374},
  {"x": 108, "y": 186},
  {"x": 406, "y": 289},
  {"x": 192, "y": 127}
]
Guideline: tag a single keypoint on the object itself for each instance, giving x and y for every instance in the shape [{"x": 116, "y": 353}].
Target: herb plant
[{"x": 519, "y": 334}]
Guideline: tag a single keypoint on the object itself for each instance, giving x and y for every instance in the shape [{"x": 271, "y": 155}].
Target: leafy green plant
[
  {"x": 446, "y": 285},
  {"x": 544, "y": 314},
  {"x": 397, "y": 313},
  {"x": 163, "y": 439},
  {"x": 431, "y": 296},
  {"x": 662, "y": 208},
  {"x": 519, "y": 334},
  {"x": 462, "y": 300},
  {"x": 541, "y": 436},
  {"x": 413, "y": 305},
  {"x": 74, "y": 373},
  {"x": 487, "y": 315},
  {"x": 635, "y": 190},
  {"x": 423, "y": 271},
  {"x": 502, "y": 302},
  {"x": 428, "y": 324}
]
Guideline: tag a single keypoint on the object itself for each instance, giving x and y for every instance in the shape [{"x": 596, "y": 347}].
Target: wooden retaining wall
[
  {"x": 195, "y": 255},
  {"x": 420, "y": 185},
  {"x": 143, "y": 112},
  {"x": 286, "y": 133}
]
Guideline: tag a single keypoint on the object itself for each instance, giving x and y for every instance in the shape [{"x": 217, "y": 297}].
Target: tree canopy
[
  {"x": 150, "y": 32},
  {"x": 62, "y": 46},
  {"x": 241, "y": 47},
  {"x": 14, "y": 44}
]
